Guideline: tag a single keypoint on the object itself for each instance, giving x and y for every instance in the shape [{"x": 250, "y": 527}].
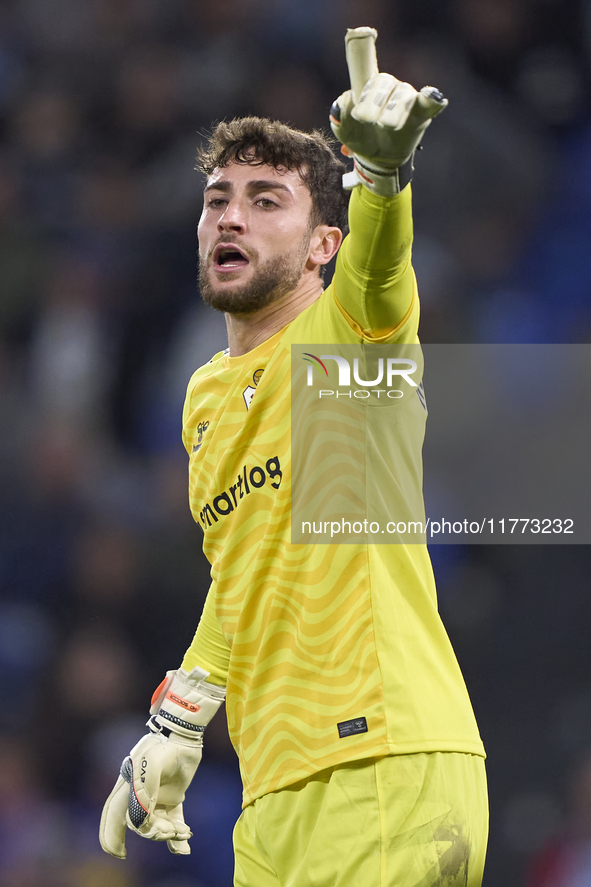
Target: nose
[{"x": 232, "y": 219}]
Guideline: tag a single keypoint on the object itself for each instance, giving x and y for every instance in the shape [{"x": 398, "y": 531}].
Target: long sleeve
[
  {"x": 209, "y": 649},
  {"x": 374, "y": 282}
]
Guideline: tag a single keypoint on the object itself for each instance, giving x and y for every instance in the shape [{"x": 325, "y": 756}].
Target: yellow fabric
[
  {"x": 376, "y": 258},
  {"x": 210, "y": 651},
  {"x": 314, "y": 635},
  {"x": 401, "y": 821}
]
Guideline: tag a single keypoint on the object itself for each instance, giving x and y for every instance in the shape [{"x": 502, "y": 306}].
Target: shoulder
[
  {"x": 323, "y": 321},
  {"x": 206, "y": 371}
]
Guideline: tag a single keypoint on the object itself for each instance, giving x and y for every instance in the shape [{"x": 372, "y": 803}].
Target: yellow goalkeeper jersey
[{"x": 332, "y": 653}]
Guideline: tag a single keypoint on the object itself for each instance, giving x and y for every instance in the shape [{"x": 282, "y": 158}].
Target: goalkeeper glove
[
  {"x": 148, "y": 795},
  {"x": 380, "y": 119}
]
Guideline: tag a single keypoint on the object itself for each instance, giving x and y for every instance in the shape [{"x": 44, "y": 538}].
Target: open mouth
[{"x": 228, "y": 257}]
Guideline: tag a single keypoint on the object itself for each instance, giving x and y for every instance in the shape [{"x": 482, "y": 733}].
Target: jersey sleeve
[
  {"x": 374, "y": 283},
  {"x": 209, "y": 649}
]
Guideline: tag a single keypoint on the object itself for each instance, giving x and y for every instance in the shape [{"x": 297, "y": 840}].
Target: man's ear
[{"x": 324, "y": 245}]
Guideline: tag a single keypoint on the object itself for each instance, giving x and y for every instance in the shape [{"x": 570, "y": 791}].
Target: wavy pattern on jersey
[
  {"x": 299, "y": 619},
  {"x": 315, "y": 665},
  {"x": 328, "y": 474},
  {"x": 303, "y": 581},
  {"x": 328, "y": 459}
]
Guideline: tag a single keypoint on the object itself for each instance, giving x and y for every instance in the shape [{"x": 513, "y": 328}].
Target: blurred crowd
[{"x": 102, "y": 106}]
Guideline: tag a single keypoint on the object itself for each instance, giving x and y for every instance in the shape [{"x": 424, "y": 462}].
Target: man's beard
[{"x": 274, "y": 279}]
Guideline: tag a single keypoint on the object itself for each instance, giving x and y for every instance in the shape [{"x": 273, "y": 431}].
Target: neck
[{"x": 247, "y": 331}]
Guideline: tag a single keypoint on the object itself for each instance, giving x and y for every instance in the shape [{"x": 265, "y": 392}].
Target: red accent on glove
[{"x": 158, "y": 690}]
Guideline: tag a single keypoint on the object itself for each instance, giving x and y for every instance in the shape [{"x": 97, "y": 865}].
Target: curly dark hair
[{"x": 259, "y": 141}]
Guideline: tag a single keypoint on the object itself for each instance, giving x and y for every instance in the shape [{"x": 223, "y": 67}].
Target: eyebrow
[{"x": 254, "y": 185}]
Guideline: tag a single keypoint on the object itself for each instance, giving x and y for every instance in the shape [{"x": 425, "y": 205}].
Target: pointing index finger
[{"x": 360, "y": 51}]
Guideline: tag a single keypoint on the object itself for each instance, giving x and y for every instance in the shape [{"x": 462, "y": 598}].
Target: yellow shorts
[{"x": 416, "y": 820}]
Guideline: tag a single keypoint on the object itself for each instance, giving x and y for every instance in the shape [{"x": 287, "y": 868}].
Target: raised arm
[{"x": 380, "y": 122}]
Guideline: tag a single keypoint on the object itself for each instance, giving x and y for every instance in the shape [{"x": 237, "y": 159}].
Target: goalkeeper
[{"x": 359, "y": 753}]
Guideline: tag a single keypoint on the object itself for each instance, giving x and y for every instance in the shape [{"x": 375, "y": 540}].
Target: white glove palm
[
  {"x": 389, "y": 120},
  {"x": 149, "y": 793}
]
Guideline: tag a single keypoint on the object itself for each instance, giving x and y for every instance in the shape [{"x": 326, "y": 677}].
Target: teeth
[{"x": 230, "y": 257}]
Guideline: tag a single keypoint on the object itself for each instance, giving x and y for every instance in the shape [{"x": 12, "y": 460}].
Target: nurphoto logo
[{"x": 397, "y": 369}]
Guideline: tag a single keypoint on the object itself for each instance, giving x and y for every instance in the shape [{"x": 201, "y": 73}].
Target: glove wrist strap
[
  {"x": 379, "y": 179},
  {"x": 184, "y": 705}
]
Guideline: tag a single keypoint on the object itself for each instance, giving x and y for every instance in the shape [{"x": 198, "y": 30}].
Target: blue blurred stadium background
[{"x": 102, "y": 105}]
